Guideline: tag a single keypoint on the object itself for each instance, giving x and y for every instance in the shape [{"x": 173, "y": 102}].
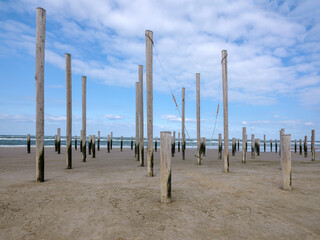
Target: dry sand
[{"x": 111, "y": 197}]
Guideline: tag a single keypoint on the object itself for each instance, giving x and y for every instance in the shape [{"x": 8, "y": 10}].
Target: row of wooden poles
[{"x": 165, "y": 137}]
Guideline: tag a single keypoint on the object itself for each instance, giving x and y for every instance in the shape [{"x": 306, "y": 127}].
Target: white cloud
[
  {"x": 244, "y": 123},
  {"x": 55, "y": 118},
  {"x": 113, "y": 117},
  {"x": 173, "y": 118},
  {"x": 54, "y": 86},
  {"x": 309, "y": 123}
]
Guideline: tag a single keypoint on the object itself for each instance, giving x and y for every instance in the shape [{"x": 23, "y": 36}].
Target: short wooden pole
[
  {"x": 137, "y": 151},
  {"x": 149, "y": 79},
  {"x": 111, "y": 140},
  {"x": 244, "y": 140},
  {"x": 141, "y": 121},
  {"x": 220, "y": 146},
  {"x": 252, "y": 147},
  {"x": 131, "y": 143},
  {"x": 286, "y": 161},
  {"x": 198, "y": 118},
  {"x": 81, "y": 141},
  {"x": 295, "y": 146},
  {"x": 59, "y": 140},
  {"x": 300, "y": 146},
  {"x": 98, "y": 146},
  {"x": 156, "y": 144},
  {"x": 178, "y": 142},
  {"x": 174, "y": 142},
  {"x": 313, "y": 152},
  {"x": 165, "y": 167},
  {"x": 39, "y": 79},
  {"x": 89, "y": 144},
  {"x": 84, "y": 118},
  {"x": 172, "y": 146},
  {"x": 121, "y": 143},
  {"x": 55, "y": 143},
  {"x": 183, "y": 125},
  {"x": 305, "y": 146},
  {"x": 225, "y": 109},
  {"x": 203, "y": 146},
  {"x": 69, "y": 111},
  {"x": 270, "y": 145},
  {"x": 108, "y": 143},
  {"x": 258, "y": 146},
  {"x": 28, "y": 144},
  {"x": 276, "y": 145},
  {"x": 264, "y": 143},
  {"x": 233, "y": 146},
  {"x": 238, "y": 144},
  {"x": 93, "y": 146},
  {"x": 75, "y": 143},
  {"x": 246, "y": 143}
]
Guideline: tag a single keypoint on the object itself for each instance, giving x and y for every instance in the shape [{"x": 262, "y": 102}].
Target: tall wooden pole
[
  {"x": 69, "y": 111},
  {"x": 183, "y": 122},
  {"x": 141, "y": 144},
  {"x": 149, "y": 73},
  {"x": 285, "y": 144},
  {"x": 165, "y": 167},
  {"x": 84, "y": 118},
  {"x": 225, "y": 109},
  {"x": 39, "y": 79},
  {"x": 198, "y": 118},
  {"x": 244, "y": 140},
  {"x": 137, "y": 121},
  {"x": 313, "y": 153}
]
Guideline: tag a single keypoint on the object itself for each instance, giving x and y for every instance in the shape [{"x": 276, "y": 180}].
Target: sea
[{"x": 21, "y": 141}]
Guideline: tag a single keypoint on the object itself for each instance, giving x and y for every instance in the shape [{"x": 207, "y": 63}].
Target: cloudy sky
[{"x": 273, "y": 64}]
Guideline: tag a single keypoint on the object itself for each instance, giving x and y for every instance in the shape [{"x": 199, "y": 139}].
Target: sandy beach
[{"x": 111, "y": 197}]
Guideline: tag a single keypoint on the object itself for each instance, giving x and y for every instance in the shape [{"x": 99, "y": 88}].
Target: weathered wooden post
[
  {"x": 111, "y": 140},
  {"x": 108, "y": 143},
  {"x": 295, "y": 146},
  {"x": 81, "y": 141},
  {"x": 172, "y": 146},
  {"x": 59, "y": 140},
  {"x": 28, "y": 143},
  {"x": 252, "y": 147},
  {"x": 137, "y": 121},
  {"x": 246, "y": 143},
  {"x": 270, "y": 145},
  {"x": 69, "y": 111},
  {"x": 225, "y": 109},
  {"x": 55, "y": 143},
  {"x": 178, "y": 142},
  {"x": 182, "y": 123},
  {"x": 90, "y": 144},
  {"x": 174, "y": 142},
  {"x": 156, "y": 144},
  {"x": 203, "y": 146},
  {"x": 233, "y": 146},
  {"x": 258, "y": 146},
  {"x": 131, "y": 143},
  {"x": 305, "y": 146},
  {"x": 141, "y": 143},
  {"x": 165, "y": 167},
  {"x": 264, "y": 143},
  {"x": 39, "y": 79},
  {"x": 300, "y": 146},
  {"x": 121, "y": 143},
  {"x": 198, "y": 118},
  {"x": 281, "y": 132},
  {"x": 313, "y": 153},
  {"x": 244, "y": 140},
  {"x": 238, "y": 144},
  {"x": 84, "y": 118},
  {"x": 286, "y": 161},
  {"x": 276, "y": 145},
  {"x": 220, "y": 146},
  {"x": 149, "y": 73},
  {"x": 93, "y": 146},
  {"x": 75, "y": 143},
  {"x": 98, "y": 146}
]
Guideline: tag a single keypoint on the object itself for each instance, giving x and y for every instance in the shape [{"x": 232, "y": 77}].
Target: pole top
[
  {"x": 67, "y": 54},
  {"x": 166, "y": 132},
  {"x": 149, "y": 31},
  {"x": 40, "y": 8}
]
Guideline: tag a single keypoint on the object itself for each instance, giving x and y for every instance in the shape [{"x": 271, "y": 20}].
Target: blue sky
[{"x": 273, "y": 64}]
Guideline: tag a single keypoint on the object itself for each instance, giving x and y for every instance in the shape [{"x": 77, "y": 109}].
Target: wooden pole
[
  {"x": 238, "y": 144},
  {"x": 156, "y": 144},
  {"x": 39, "y": 79},
  {"x": 178, "y": 142},
  {"x": 174, "y": 142},
  {"x": 276, "y": 145},
  {"x": 98, "y": 146},
  {"x": 108, "y": 143},
  {"x": 258, "y": 146},
  {"x": 313, "y": 153},
  {"x": 252, "y": 147},
  {"x": 198, "y": 118},
  {"x": 220, "y": 146},
  {"x": 203, "y": 146},
  {"x": 28, "y": 144},
  {"x": 90, "y": 144},
  {"x": 183, "y": 124},
  {"x": 295, "y": 146},
  {"x": 300, "y": 146},
  {"x": 233, "y": 146},
  {"x": 93, "y": 146},
  {"x": 111, "y": 140},
  {"x": 137, "y": 121},
  {"x": 141, "y": 121},
  {"x": 121, "y": 143},
  {"x": 69, "y": 111},
  {"x": 264, "y": 143},
  {"x": 75, "y": 143},
  {"x": 149, "y": 73},
  {"x": 305, "y": 146},
  {"x": 286, "y": 161},
  {"x": 59, "y": 140},
  {"x": 270, "y": 145},
  {"x": 244, "y": 140},
  {"x": 131, "y": 143},
  {"x": 225, "y": 109},
  {"x": 172, "y": 146},
  {"x": 55, "y": 143},
  {"x": 165, "y": 167},
  {"x": 84, "y": 118}
]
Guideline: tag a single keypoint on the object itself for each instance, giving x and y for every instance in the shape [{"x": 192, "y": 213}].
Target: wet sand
[{"x": 111, "y": 197}]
